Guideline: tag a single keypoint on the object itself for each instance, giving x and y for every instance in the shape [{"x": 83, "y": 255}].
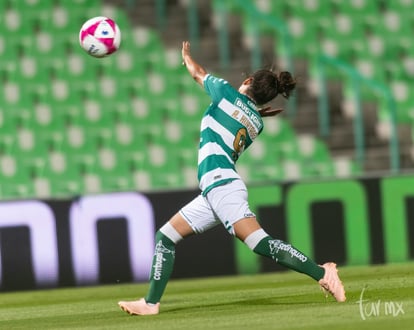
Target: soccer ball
[{"x": 100, "y": 36}]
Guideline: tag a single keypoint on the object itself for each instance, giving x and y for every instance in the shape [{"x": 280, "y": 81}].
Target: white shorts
[{"x": 226, "y": 204}]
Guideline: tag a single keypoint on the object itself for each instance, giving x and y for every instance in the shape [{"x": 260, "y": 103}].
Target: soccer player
[{"x": 229, "y": 126}]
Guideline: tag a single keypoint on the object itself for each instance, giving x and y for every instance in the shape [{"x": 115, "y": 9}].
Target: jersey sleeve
[{"x": 217, "y": 88}]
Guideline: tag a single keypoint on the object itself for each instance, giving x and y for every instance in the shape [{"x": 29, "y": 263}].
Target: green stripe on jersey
[{"x": 208, "y": 136}]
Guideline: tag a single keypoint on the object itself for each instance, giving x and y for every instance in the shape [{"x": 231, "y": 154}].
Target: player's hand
[
  {"x": 185, "y": 51},
  {"x": 269, "y": 112}
]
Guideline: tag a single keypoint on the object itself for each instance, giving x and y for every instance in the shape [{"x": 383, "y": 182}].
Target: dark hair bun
[{"x": 286, "y": 83}]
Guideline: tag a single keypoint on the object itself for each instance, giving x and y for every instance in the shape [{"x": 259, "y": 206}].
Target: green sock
[
  {"x": 162, "y": 267},
  {"x": 288, "y": 256}
]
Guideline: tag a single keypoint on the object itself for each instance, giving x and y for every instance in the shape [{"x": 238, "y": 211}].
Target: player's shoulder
[{"x": 215, "y": 80}]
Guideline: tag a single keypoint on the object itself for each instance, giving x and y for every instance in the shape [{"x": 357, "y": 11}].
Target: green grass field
[{"x": 268, "y": 301}]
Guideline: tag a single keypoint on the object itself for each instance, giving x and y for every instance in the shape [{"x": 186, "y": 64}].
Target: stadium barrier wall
[{"x": 109, "y": 238}]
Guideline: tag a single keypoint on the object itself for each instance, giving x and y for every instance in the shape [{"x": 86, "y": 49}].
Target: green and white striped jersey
[{"x": 229, "y": 126}]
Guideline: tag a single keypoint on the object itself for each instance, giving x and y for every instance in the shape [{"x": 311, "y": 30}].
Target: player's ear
[{"x": 248, "y": 81}]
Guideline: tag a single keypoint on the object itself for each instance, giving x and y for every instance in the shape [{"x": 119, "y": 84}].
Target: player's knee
[
  {"x": 170, "y": 232},
  {"x": 254, "y": 238}
]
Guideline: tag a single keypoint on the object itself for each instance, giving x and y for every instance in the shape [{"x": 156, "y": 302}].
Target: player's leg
[
  {"x": 162, "y": 266},
  {"x": 166, "y": 239},
  {"x": 230, "y": 204},
  {"x": 250, "y": 232},
  {"x": 195, "y": 217}
]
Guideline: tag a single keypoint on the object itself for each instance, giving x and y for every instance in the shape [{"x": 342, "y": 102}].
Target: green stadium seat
[
  {"x": 146, "y": 42},
  {"x": 17, "y": 24},
  {"x": 405, "y": 100},
  {"x": 291, "y": 169},
  {"x": 9, "y": 51},
  {"x": 302, "y": 30},
  {"x": 144, "y": 113},
  {"x": 191, "y": 109},
  {"x": 316, "y": 158},
  {"x": 189, "y": 177},
  {"x": 64, "y": 174},
  {"x": 407, "y": 63},
  {"x": 346, "y": 167},
  {"x": 259, "y": 164},
  {"x": 31, "y": 5},
  {"x": 265, "y": 6},
  {"x": 15, "y": 182},
  {"x": 393, "y": 24},
  {"x": 285, "y": 140},
  {"x": 87, "y": 3},
  {"x": 12, "y": 92},
  {"x": 344, "y": 36},
  {"x": 90, "y": 115},
  {"x": 15, "y": 176},
  {"x": 371, "y": 67},
  {"x": 141, "y": 180},
  {"x": 319, "y": 10},
  {"x": 8, "y": 122},
  {"x": 41, "y": 188},
  {"x": 370, "y": 10},
  {"x": 159, "y": 167},
  {"x": 113, "y": 170},
  {"x": 401, "y": 6}
]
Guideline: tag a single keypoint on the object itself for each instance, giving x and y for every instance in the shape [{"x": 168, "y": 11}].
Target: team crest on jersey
[{"x": 239, "y": 143}]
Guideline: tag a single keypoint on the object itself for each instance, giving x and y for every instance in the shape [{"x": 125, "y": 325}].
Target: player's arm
[{"x": 195, "y": 69}]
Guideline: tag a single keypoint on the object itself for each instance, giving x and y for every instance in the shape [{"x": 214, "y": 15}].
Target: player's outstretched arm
[{"x": 195, "y": 69}]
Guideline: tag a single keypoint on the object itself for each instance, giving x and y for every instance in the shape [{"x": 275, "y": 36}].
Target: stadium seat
[
  {"x": 15, "y": 181},
  {"x": 15, "y": 176},
  {"x": 260, "y": 164},
  {"x": 57, "y": 175},
  {"x": 345, "y": 167},
  {"x": 319, "y": 10},
  {"x": 315, "y": 157},
  {"x": 343, "y": 36},
  {"x": 369, "y": 10},
  {"x": 400, "y": 5},
  {"x": 302, "y": 30},
  {"x": 268, "y": 6}
]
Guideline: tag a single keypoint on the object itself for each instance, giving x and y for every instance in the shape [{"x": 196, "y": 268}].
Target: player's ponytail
[{"x": 286, "y": 84}]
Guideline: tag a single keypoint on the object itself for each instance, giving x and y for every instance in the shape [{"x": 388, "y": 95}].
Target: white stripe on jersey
[
  {"x": 216, "y": 175},
  {"x": 226, "y": 135},
  {"x": 210, "y": 149},
  {"x": 227, "y": 107},
  {"x": 239, "y": 114}
]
